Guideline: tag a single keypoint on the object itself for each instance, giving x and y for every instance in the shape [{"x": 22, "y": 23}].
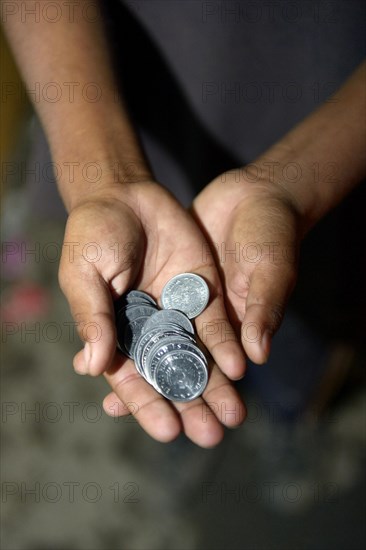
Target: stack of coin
[{"x": 162, "y": 342}]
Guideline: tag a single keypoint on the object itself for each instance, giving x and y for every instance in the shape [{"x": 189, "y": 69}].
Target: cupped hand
[
  {"x": 254, "y": 232},
  {"x": 138, "y": 236}
]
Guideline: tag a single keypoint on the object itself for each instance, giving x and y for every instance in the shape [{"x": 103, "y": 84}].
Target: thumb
[
  {"x": 91, "y": 305},
  {"x": 269, "y": 289},
  {"x": 88, "y": 281},
  {"x": 260, "y": 285}
]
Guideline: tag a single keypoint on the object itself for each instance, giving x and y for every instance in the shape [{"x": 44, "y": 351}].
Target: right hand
[{"x": 144, "y": 237}]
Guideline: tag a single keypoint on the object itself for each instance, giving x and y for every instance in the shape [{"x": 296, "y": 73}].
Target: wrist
[
  {"x": 86, "y": 180},
  {"x": 307, "y": 179},
  {"x": 291, "y": 175},
  {"x": 94, "y": 152}
]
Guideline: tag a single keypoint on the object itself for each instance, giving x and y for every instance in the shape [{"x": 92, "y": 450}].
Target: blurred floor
[{"x": 73, "y": 478}]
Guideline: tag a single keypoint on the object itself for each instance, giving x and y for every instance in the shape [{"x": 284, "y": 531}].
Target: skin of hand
[
  {"x": 157, "y": 239},
  {"x": 254, "y": 231}
]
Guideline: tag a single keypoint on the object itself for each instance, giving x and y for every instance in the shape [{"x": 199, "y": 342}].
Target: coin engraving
[{"x": 186, "y": 292}]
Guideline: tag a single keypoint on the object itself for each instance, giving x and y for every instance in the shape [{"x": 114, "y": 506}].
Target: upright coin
[
  {"x": 139, "y": 295},
  {"x": 170, "y": 316},
  {"x": 130, "y": 322},
  {"x": 186, "y": 292},
  {"x": 141, "y": 342},
  {"x": 132, "y": 333},
  {"x": 133, "y": 297}
]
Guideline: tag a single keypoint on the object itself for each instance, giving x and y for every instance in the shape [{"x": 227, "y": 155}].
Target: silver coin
[
  {"x": 148, "y": 339},
  {"x": 133, "y": 310},
  {"x": 130, "y": 299},
  {"x": 145, "y": 342},
  {"x": 158, "y": 341},
  {"x": 169, "y": 316},
  {"x": 131, "y": 334},
  {"x": 166, "y": 344},
  {"x": 130, "y": 313},
  {"x": 177, "y": 344},
  {"x": 174, "y": 328},
  {"x": 181, "y": 376},
  {"x": 139, "y": 295},
  {"x": 130, "y": 322},
  {"x": 143, "y": 339},
  {"x": 186, "y": 292},
  {"x": 136, "y": 302}
]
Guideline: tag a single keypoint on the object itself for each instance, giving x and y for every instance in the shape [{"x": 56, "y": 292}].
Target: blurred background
[{"x": 292, "y": 477}]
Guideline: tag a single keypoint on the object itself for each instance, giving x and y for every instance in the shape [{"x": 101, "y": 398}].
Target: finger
[
  {"x": 222, "y": 400},
  {"x": 217, "y": 334},
  {"x": 199, "y": 422},
  {"x": 113, "y": 406},
  {"x": 201, "y": 428},
  {"x": 269, "y": 289},
  {"x": 203, "y": 418},
  {"x": 151, "y": 410}
]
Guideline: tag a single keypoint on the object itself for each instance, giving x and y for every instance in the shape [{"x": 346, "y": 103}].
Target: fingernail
[{"x": 87, "y": 355}]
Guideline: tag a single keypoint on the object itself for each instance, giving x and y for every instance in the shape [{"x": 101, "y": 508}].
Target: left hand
[{"x": 254, "y": 230}]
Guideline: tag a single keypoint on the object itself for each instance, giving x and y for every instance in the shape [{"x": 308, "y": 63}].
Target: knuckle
[{"x": 275, "y": 316}]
